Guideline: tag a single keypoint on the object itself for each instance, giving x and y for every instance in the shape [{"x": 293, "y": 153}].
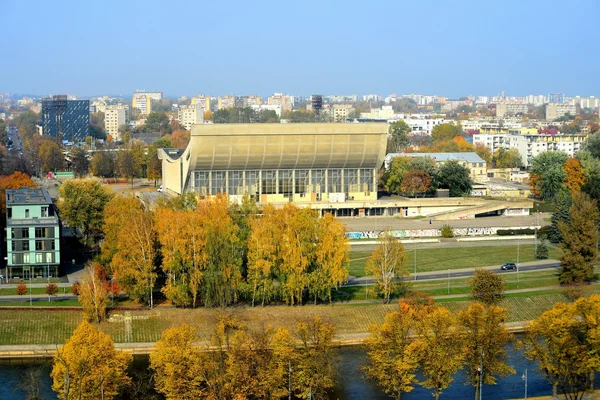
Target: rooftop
[
  {"x": 440, "y": 157},
  {"x": 26, "y": 195}
]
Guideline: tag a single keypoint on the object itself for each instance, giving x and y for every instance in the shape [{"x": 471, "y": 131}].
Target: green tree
[
  {"x": 541, "y": 252},
  {"x": 455, "y": 177},
  {"x": 485, "y": 338},
  {"x": 129, "y": 165},
  {"x": 548, "y": 168},
  {"x": 592, "y": 145},
  {"x": 486, "y": 286},
  {"x": 386, "y": 266},
  {"x": 393, "y": 177},
  {"x": 445, "y": 132},
  {"x": 507, "y": 158},
  {"x": 398, "y": 140},
  {"x": 579, "y": 239},
  {"x": 51, "y": 156},
  {"x": 428, "y": 165},
  {"x": 104, "y": 164},
  {"x": 163, "y": 143},
  {"x": 80, "y": 164},
  {"x": 591, "y": 173},
  {"x": 154, "y": 165},
  {"x": 564, "y": 201},
  {"x": 81, "y": 203},
  {"x": 157, "y": 122}
]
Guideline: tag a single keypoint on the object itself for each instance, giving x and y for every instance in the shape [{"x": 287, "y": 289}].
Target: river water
[{"x": 351, "y": 381}]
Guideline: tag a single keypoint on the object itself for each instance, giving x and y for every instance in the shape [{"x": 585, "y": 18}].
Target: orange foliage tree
[
  {"x": 16, "y": 180},
  {"x": 415, "y": 181},
  {"x": 574, "y": 179},
  {"x": 180, "y": 138}
]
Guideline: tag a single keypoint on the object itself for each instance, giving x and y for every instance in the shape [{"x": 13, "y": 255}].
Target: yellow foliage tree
[
  {"x": 116, "y": 215},
  {"x": 92, "y": 293},
  {"x": 88, "y": 366},
  {"x": 574, "y": 179},
  {"x": 386, "y": 264}
]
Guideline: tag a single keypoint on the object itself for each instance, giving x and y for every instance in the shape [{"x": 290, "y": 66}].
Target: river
[{"x": 351, "y": 381}]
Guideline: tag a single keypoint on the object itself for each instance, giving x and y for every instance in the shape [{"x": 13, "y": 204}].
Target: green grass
[
  {"x": 35, "y": 290},
  {"x": 439, "y": 259}
]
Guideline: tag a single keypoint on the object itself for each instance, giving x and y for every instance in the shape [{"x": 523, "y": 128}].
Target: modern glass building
[
  {"x": 33, "y": 234},
  {"x": 72, "y": 117},
  {"x": 279, "y": 163}
]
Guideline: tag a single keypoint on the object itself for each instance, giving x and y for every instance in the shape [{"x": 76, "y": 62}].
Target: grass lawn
[
  {"x": 436, "y": 259},
  {"x": 35, "y": 290}
]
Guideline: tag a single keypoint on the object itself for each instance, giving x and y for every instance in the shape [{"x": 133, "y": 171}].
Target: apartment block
[
  {"x": 506, "y": 109},
  {"x": 341, "y": 112},
  {"x": 33, "y": 234},
  {"x": 204, "y": 102},
  {"x": 557, "y": 110},
  {"x": 114, "y": 117},
  {"x": 142, "y": 102},
  {"x": 190, "y": 115},
  {"x": 226, "y": 102}
]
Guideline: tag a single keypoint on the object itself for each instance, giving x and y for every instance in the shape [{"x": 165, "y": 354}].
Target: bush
[
  {"x": 21, "y": 289},
  {"x": 447, "y": 231},
  {"x": 541, "y": 252},
  {"x": 542, "y": 233},
  {"x": 515, "y": 232}
]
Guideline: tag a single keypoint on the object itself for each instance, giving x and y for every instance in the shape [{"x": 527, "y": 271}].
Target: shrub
[
  {"x": 447, "y": 231},
  {"x": 21, "y": 289},
  {"x": 515, "y": 232},
  {"x": 542, "y": 233},
  {"x": 541, "y": 252}
]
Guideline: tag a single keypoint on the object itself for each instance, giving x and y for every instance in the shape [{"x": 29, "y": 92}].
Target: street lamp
[
  {"x": 524, "y": 377},
  {"x": 448, "y": 280},
  {"x": 415, "y": 263},
  {"x": 517, "y": 263}
]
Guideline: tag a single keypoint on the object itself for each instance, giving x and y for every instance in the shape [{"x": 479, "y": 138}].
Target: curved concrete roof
[{"x": 287, "y": 146}]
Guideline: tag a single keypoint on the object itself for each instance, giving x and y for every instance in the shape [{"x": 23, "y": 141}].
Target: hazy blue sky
[{"x": 451, "y": 48}]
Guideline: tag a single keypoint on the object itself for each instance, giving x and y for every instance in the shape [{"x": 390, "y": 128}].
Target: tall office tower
[{"x": 65, "y": 119}]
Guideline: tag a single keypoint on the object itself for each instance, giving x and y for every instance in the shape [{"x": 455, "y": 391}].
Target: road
[{"x": 460, "y": 273}]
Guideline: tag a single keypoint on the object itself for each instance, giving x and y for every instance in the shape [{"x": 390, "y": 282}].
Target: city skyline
[{"x": 452, "y": 50}]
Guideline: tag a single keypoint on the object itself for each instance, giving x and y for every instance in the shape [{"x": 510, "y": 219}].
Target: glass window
[
  {"x": 25, "y": 245},
  {"x": 9, "y": 213},
  {"x": 49, "y": 257},
  {"x": 269, "y": 182},
  {"x": 301, "y": 181},
  {"x": 366, "y": 180},
  {"x": 236, "y": 182},
  {"x": 44, "y": 211},
  {"x": 286, "y": 186},
  {"x": 318, "y": 180},
  {"x": 26, "y": 213},
  {"x": 252, "y": 182},
  {"x": 334, "y": 180},
  {"x": 38, "y": 245},
  {"x": 39, "y": 232},
  {"x": 350, "y": 180},
  {"x": 25, "y": 232},
  {"x": 26, "y": 258},
  {"x": 201, "y": 182},
  {"x": 13, "y": 245},
  {"x": 218, "y": 182},
  {"x": 39, "y": 258}
]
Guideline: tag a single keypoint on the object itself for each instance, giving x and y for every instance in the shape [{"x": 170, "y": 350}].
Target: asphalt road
[{"x": 551, "y": 264}]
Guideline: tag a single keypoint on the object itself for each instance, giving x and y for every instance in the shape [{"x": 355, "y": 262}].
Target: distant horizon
[{"x": 451, "y": 49}]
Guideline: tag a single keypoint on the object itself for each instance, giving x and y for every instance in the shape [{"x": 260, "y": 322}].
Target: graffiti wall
[{"x": 420, "y": 233}]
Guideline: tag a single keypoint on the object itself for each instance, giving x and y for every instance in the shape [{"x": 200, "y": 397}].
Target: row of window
[
  {"x": 285, "y": 181},
  {"x": 43, "y": 212},
  {"x": 39, "y": 258},
  {"x": 23, "y": 233},
  {"x": 23, "y": 245}
]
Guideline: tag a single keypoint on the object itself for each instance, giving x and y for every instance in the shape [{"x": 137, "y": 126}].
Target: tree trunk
[
  {"x": 592, "y": 380},
  {"x": 437, "y": 394},
  {"x": 477, "y": 391},
  {"x": 554, "y": 389}
]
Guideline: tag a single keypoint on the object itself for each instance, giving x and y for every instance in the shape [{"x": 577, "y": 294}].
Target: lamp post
[
  {"x": 448, "y": 280},
  {"x": 517, "y": 263},
  {"x": 524, "y": 377},
  {"x": 415, "y": 263}
]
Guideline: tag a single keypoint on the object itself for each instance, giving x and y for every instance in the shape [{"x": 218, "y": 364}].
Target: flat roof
[
  {"x": 468, "y": 157},
  {"x": 289, "y": 129},
  {"x": 26, "y": 195}
]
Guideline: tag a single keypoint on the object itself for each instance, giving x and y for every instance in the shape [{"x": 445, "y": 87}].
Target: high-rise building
[
  {"x": 556, "y": 98},
  {"x": 142, "y": 102},
  {"x": 65, "y": 119},
  {"x": 114, "y": 117},
  {"x": 204, "y": 102},
  {"x": 557, "y": 110},
  {"x": 503, "y": 109},
  {"x": 190, "y": 115}
]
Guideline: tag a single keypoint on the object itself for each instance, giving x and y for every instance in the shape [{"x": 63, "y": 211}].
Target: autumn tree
[
  {"x": 134, "y": 261},
  {"x": 564, "y": 341},
  {"x": 21, "y": 289},
  {"x": 51, "y": 156},
  {"x": 51, "y": 290},
  {"x": 485, "y": 339},
  {"x": 393, "y": 177},
  {"x": 392, "y": 354},
  {"x": 154, "y": 165},
  {"x": 415, "y": 181},
  {"x": 507, "y": 158},
  {"x": 116, "y": 215},
  {"x": 574, "y": 178},
  {"x": 441, "y": 348},
  {"x": 92, "y": 293},
  {"x": 486, "y": 286},
  {"x": 180, "y": 139},
  {"x": 177, "y": 365},
  {"x": 386, "y": 265},
  {"x": 81, "y": 203},
  {"x": 129, "y": 164},
  {"x": 484, "y": 152},
  {"x": 579, "y": 239},
  {"x": 443, "y": 132},
  {"x": 88, "y": 366},
  {"x": 80, "y": 164},
  {"x": 16, "y": 180}
]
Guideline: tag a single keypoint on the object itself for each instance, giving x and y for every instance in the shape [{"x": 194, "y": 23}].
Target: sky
[{"x": 448, "y": 48}]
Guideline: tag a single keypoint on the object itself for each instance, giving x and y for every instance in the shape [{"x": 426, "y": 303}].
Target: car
[
  {"x": 160, "y": 189},
  {"x": 507, "y": 266}
]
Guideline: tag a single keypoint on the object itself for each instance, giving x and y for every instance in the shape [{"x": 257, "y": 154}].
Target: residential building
[
  {"x": 225, "y": 102},
  {"x": 267, "y": 107},
  {"x": 506, "y": 109},
  {"x": 341, "y": 112},
  {"x": 157, "y": 96},
  {"x": 371, "y": 97},
  {"x": 477, "y": 166},
  {"x": 114, "y": 117},
  {"x": 65, "y": 119},
  {"x": 384, "y": 113},
  {"x": 420, "y": 123},
  {"x": 190, "y": 115},
  {"x": 557, "y": 110},
  {"x": 204, "y": 102},
  {"x": 278, "y": 99},
  {"x": 33, "y": 234},
  {"x": 530, "y": 145},
  {"x": 556, "y": 98},
  {"x": 313, "y": 163}
]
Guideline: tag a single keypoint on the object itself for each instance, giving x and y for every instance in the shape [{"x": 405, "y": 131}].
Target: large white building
[
  {"x": 190, "y": 115},
  {"x": 530, "y": 146},
  {"x": 114, "y": 117},
  {"x": 557, "y": 110},
  {"x": 143, "y": 101}
]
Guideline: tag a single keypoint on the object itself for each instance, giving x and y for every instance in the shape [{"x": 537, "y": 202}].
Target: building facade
[
  {"x": 142, "y": 102},
  {"x": 341, "y": 112},
  {"x": 204, "y": 102},
  {"x": 320, "y": 164},
  {"x": 33, "y": 234},
  {"x": 114, "y": 117},
  {"x": 66, "y": 119},
  {"x": 190, "y": 115},
  {"x": 504, "y": 109},
  {"x": 557, "y": 110}
]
